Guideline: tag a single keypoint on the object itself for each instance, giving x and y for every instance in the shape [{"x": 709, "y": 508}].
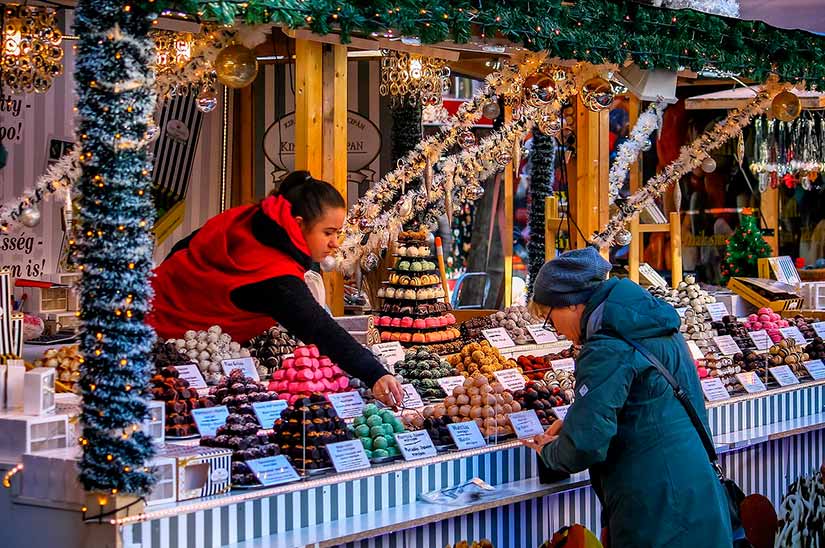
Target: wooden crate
[{"x": 784, "y": 296}]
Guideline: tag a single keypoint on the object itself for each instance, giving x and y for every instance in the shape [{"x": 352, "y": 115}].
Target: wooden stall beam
[
  {"x": 675, "y": 249},
  {"x": 588, "y": 200},
  {"x": 552, "y": 225},
  {"x": 243, "y": 148},
  {"x": 769, "y": 204},
  {"x": 308, "y": 106},
  {"x": 637, "y": 239}
]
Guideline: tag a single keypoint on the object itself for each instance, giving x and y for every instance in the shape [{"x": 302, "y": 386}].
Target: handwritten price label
[
  {"x": 510, "y": 378},
  {"x": 717, "y": 311},
  {"x": 498, "y": 337},
  {"x": 416, "y": 445},
  {"x": 727, "y": 345},
  {"x": 714, "y": 390},
  {"x": 541, "y": 335}
]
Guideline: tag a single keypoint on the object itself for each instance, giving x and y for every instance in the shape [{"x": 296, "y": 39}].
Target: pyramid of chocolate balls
[
  {"x": 244, "y": 437},
  {"x": 696, "y": 325},
  {"x": 238, "y": 392},
  {"x": 422, "y": 369},
  {"x": 270, "y": 347},
  {"x": 167, "y": 386},
  {"x": 167, "y": 353},
  {"x": 304, "y": 430}
]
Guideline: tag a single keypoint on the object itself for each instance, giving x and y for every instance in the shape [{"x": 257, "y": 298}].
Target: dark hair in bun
[{"x": 309, "y": 197}]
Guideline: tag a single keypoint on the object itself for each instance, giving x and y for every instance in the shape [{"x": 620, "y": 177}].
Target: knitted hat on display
[{"x": 571, "y": 278}]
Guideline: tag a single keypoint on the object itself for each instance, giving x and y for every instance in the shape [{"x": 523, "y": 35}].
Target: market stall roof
[
  {"x": 787, "y": 14},
  {"x": 739, "y": 97}
]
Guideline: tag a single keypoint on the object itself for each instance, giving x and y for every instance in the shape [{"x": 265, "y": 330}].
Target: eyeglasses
[{"x": 547, "y": 322}]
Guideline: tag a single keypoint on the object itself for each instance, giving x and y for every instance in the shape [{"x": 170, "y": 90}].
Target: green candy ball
[
  {"x": 377, "y": 431},
  {"x": 362, "y": 431},
  {"x": 380, "y": 454},
  {"x": 370, "y": 409},
  {"x": 380, "y": 443},
  {"x": 375, "y": 420},
  {"x": 367, "y": 443}
]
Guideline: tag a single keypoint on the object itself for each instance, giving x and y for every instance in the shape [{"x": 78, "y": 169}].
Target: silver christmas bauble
[
  {"x": 708, "y": 165},
  {"x": 647, "y": 145},
  {"x": 474, "y": 192},
  {"x": 30, "y": 216},
  {"x": 491, "y": 110},
  {"x": 370, "y": 262},
  {"x": 207, "y": 100},
  {"x": 623, "y": 237},
  {"x": 467, "y": 139}
]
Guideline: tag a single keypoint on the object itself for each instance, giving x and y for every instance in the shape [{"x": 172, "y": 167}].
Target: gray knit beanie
[{"x": 571, "y": 278}]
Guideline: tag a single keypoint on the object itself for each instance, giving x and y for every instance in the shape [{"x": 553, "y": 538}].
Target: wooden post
[
  {"x": 589, "y": 199},
  {"x": 243, "y": 149},
  {"x": 675, "y": 249},
  {"x": 308, "y": 106},
  {"x": 769, "y": 204},
  {"x": 334, "y": 149},
  {"x": 552, "y": 224},
  {"x": 507, "y": 229},
  {"x": 637, "y": 238}
]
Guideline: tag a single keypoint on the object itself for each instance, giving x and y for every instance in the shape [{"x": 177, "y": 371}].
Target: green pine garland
[
  {"x": 543, "y": 159},
  {"x": 115, "y": 98},
  {"x": 597, "y": 31},
  {"x": 745, "y": 247}
]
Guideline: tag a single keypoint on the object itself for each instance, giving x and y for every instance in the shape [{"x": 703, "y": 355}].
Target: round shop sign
[
  {"x": 219, "y": 475},
  {"x": 177, "y": 131}
]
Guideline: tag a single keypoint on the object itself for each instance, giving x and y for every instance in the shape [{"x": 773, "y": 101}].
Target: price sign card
[
  {"x": 751, "y": 382},
  {"x": 191, "y": 374},
  {"x": 565, "y": 364},
  {"x": 760, "y": 339},
  {"x": 448, "y": 384},
  {"x": 392, "y": 352},
  {"x": 526, "y": 424},
  {"x": 717, "y": 311},
  {"x": 412, "y": 399},
  {"x": 727, "y": 345},
  {"x": 783, "y": 375},
  {"x": 269, "y": 411},
  {"x": 510, "y": 378},
  {"x": 793, "y": 333},
  {"x": 348, "y": 456},
  {"x": 681, "y": 311},
  {"x": 247, "y": 365},
  {"x": 541, "y": 335},
  {"x": 498, "y": 337},
  {"x": 714, "y": 390},
  {"x": 348, "y": 405},
  {"x": 816, "y": 369},
  {"x": 819, "y": 329},
  {"x": 695, "y": 351},
  {"x": 273, "y": 470},
  {"x": 466, "y": 435},
  {"x": 561, "y": 411},
  {"x": 415, "y": 445},
  {"x": 209, "y": 419}
]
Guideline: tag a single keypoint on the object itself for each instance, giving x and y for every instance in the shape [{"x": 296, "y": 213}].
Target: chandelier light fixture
[
  {"x": 32, "y": 56},
  {"x": 413, "y": 78}
]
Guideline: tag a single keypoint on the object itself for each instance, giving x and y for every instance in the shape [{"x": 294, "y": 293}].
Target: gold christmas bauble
[
  {"x": 236, "y": 66},
  {"x": 786, "y": 107},
  {"x": 597, "y": 94}
]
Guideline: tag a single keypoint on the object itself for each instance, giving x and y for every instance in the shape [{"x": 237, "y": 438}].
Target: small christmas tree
[{"x": 744, "y": 249}]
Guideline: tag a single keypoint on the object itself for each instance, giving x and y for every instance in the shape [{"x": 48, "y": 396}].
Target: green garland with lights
[
  {"x": 597, "y": 31},
  {"x": 745, "y": 247}
]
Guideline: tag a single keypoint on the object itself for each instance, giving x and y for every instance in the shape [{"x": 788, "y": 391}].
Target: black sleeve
[
  {"x": 288, "y": 300},
  {"x": 182, "y": 244}
]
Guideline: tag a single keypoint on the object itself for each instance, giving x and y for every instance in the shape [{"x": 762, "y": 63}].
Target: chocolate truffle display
[
  {"x": 816, "y": 349},
  {"x": 541, "y": 398},
  {"x": 696, "y": 324},
  {"x": 488, "y": 404},
  {"x": 304, "y": 430},
  {"x": 243, "y": 435},
  {"x": 737, "y": 330},
  {"x": 167, "y": 353},
  {"x": 269, "y": 348},
  {"x": 208, "y": 348},
  {"x": 481, "y": 358},
  {"x": 768, "y": 320},
  {"x": 804, "y": 326},
  {"x": 536, "y": 367},
  {"x": 238, "y": 393},
  {"x": 515, "y": 320},
  {"x": 788, "y": 352},
  {"x": 66, "y": 360},
  {"x": 306, "y": 373},
  {"x": 472, "y": 328},
  {"x": 376, "y": 430},
  {"x": 720, "y": 367},
  {"x": 167, "y": 386},
  {"x": 422, "y": 369}
]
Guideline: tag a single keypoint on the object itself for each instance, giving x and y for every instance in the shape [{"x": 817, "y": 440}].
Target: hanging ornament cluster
[
  {"x": 32, "y": 55},
  {"x": 414, "y": 78},
  {"x": 172, "y": 50},
  {"x": 236, "y": 66},
  {"x": 597, "y": 94},
  {"x": 788, "y": 153},
  {"x": 628, "y": 152}
]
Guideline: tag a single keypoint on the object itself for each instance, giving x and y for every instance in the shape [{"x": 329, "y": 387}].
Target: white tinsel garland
[{"x": 628, "y": 151}]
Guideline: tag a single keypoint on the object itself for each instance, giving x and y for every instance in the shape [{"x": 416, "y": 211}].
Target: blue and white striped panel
[{"x": 767, "y": 409}]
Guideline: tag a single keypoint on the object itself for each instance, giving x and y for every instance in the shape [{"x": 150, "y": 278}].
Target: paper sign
[
  {"x": 392, "y": 352},
  {"x": 541, "y": 335},
  {"x": 714, "y": 390},
  {"x": 819, "y": 329},
  {"x": 717, "y": 311},
  {"x": 348, "y": 456},
  {"x": 783, "y": 375},
  {"x": 466, "y": 435},
  {"x": 209, "y": 419},
  {"x": 273, "y": 470},
  {"x": 415, "y": 445},
  {"x": 448, "y": 384},
  {"x": 727, "y": 345},
  {"x": 412, "y": 399},
  {"x": 785, "y": 270},
  {"x": 498, "y": 337},
  {"x": 816, "y": 369},
  {"x": 695, "y": 351},
  {"x": 650, "y": 274},
  {"x": 681, "y": 311},
  {"x": 564, "y": 364},
  {"x": 269, "y": 411},
  {"x": 247, "y": 365},
  {"x": 510, "y": 378},
  {"x": 191, "y": 374},
  {"x": 751, "y": 382},
  {"x": 348, "y": 405},
  {"x": 526, "y": 424},
  {"x": 761, "y": 339},
  {"x": 794, "y": 333},
  {"x": 561, "y": 411}
]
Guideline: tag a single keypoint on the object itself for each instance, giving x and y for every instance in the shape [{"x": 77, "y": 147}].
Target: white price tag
[
  {"x": 273, "y": 470},
  {"x": 819, "y": 329},
  {"x": 498, "y": 337},
  {"x": 751, "y": 382},
  {"x": 783, "y": 375},
  {"x": 717, "y": 311},
  {"x": 760, "y": 339},
  {"x": 695, "y": 351},
  {"x": 448, "y": 384},
  {"x": 247, "y": 365},
  {"x": 269, "y": 411},
  {"x": 412, "y": 399},
  {"x": 191, "y": 374},
  {"x": 348, "y": 456},
  {"x": 392, "y": 352},
  {"x": 466, "y": 435},
  {"x": 209, "y": 419},
  {"x": 348, "y": 405},
  {"x": 510, "y": 378},
  {"x": 415, "y": 445},
  {"x": 727, "y": 346},
  {"x": 681, "y": 311},
  {"x": 714, "y": 390},
  {"x": 561, "y": 411},
  {"x": 816, "y": 369},
  {"x": 564, "y": 364},
  {"x": 794, "y": 333},
  {"x": 526, "y": 424},
  {"x": 541, "y": 335}
]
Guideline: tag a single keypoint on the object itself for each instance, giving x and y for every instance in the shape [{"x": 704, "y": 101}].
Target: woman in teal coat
[{"x": 647, "y": 464}]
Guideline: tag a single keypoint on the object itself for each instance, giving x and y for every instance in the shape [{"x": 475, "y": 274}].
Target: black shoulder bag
[{"x": 734, "y": 493}]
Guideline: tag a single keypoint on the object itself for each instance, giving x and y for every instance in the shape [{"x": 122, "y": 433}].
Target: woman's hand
[
  {"x": 538, "y": 442},
  {"x": 388, "y": 390}
]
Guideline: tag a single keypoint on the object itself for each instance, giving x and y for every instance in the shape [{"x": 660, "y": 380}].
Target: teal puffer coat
[{"x": 647, "y": 464}]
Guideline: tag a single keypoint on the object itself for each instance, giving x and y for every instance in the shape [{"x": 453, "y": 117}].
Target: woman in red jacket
[{"x": 245, "y": 268}]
